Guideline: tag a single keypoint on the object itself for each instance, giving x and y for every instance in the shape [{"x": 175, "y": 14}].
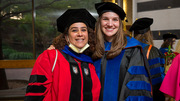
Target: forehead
[
  {"x": 110, "y": 14},
  {"x": 78, "y": 24}
]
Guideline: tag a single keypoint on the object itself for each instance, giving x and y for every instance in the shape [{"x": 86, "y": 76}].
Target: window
[{"x": 17, "y": 26}]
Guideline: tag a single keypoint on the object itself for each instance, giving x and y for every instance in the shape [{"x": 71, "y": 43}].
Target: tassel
[
  {"x": 159, "y": 33},
  {"x": 124, "y": 26}
]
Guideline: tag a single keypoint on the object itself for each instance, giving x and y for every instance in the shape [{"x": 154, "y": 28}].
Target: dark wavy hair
[
  {"x": 167, "y": 42},
  {"x": 59, "y": 42}
]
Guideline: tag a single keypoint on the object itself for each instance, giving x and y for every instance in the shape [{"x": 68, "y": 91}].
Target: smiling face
[
  {"x": 78, "y": 35},
  {"x": 110, "y": 23}
]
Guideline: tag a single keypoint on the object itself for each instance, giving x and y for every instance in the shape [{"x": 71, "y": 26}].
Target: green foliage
[
  {"x": 5, "y": 45},
  {"x": 170, "y": 54},
  {"x": 7, "y": 52},
  {"x": 42, "y": 23},
  {"x": 20, "y": 55},
  {"x": 12, "y": 54}
]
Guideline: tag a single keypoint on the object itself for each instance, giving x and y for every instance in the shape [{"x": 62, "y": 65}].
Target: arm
[
  {"x": 40, "y": 82},
  {"x": 137, "y": 74}
]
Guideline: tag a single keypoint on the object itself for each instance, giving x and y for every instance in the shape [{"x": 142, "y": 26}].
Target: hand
[{"x": 51, "y": 47}]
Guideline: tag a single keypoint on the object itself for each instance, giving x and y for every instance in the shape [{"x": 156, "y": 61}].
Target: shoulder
[
  {"x": 152, "y": 48},
  {"x": 134, "y": 51},
  {"x": 132, "y": 42},
  {"x": 47, "y": 55},
  {"x": 45, "y": 61},
  {"x": 155, "y": 49}
]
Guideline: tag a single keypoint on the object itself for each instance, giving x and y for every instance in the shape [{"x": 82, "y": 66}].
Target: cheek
[
  {"x": 103, "y": 23},
  {"x": 117, "y": 24},
  {"x": 87, "y": 37},
  {"x": 71, "y": 37}
]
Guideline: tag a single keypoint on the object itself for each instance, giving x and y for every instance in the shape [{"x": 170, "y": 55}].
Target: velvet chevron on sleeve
[
  {"x": 136, "y": 84},
  {"x": 71, "y": 79},
  {"x": 125, "y": 77},
  {"x": 156, "y": 64}
]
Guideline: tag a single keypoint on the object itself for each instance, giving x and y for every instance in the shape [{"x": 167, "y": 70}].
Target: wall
[{"x": 166, "y": 14}]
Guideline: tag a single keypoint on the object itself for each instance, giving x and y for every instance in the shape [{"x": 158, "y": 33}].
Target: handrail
[{"x": 17, "y": 63}]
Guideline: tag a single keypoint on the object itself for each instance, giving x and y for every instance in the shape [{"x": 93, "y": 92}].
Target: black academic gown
[
  {"x": 156, "y": 64},
  {"x": 125, "y": 77}
]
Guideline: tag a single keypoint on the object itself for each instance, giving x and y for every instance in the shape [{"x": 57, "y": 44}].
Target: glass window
[{"x": 17, "y": 27}]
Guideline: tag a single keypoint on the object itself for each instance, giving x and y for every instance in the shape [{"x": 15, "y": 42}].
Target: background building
[{"x": 166, "y": 14}]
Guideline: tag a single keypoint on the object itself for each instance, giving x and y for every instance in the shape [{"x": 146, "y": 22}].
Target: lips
[
  {"x": 79, "y": 40},
  {"x": 109, "y": 29}
]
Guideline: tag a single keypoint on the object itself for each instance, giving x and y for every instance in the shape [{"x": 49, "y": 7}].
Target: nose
[
  {"x": 110, "y": 23},
  {"x": 80, "y": 33}
]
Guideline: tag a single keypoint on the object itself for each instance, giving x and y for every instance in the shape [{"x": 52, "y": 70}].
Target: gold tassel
[
  {"x": 124, "y": 25},
  {"x": 159, "y": 33},
  {"x": 113, "y": 1}
]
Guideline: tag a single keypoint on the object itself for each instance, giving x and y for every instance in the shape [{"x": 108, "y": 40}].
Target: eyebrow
[
  {"x": 112, "y": 17},
  {"x": 77, "y": 27}
]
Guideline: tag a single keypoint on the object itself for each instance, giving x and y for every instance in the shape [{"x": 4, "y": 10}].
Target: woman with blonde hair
[
  {"x": 119, "y": 61},
  {"x": 142, "y": 32}
]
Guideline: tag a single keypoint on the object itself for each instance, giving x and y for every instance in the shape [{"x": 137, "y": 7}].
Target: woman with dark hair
[
  {"x": 119, "y": 60},
  {"x": 169, "y": 40},
  {"x": 167, "y": 49},
  {"x": 142, "y": 32},
  {"x": 67, "y": 73}
]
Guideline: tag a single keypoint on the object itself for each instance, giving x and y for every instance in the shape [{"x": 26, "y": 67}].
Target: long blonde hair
[
  {"x": 119, "y": 42},
  {"x": 146, "y": 38}
]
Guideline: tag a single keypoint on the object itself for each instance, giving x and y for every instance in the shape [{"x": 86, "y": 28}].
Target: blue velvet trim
[
  {"x": 111, "y": 82},
  {"x": 163, "y": 50},
  {"x": 138, "y": 98},
  {"x": 97, "y": 65},
  {"x": 138, "y": 70},
  {"x": 139, "y": 85},
  {"x": 107, "y": 46},
  {"x": 162, "y": 61},
  {"x": 157, "y": 80},
  {"x": 81, "y": 57},
  {"x": 162, "y": 72},
  {"x": 131, "y": 42},
  {"x": 154, "y": 61},
  {"x": 156, "y": 70},
  {"x": 143, "y": 45}
]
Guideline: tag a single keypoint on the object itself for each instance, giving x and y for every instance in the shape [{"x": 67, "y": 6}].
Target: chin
[{"x": 80, "y": 47}]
